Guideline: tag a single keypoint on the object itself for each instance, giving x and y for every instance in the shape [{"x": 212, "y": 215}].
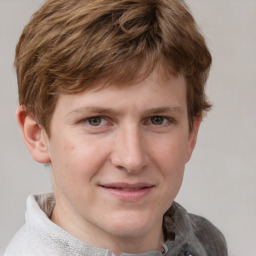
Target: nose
[{"x": 129, "y": 152}]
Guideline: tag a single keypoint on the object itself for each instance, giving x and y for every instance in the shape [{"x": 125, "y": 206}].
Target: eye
[
  {"x": 158, "y": 120},
  {"x": 96, "y": 121}
]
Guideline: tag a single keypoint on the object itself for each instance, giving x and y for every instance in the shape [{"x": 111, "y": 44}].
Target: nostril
[
  {"x": 130, "y": 164},
  {"x": 121, "y": 168}
]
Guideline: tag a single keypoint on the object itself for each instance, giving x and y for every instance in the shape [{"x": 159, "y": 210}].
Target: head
[
  {"x": 68, "y": 46},
  {"x": 112, "y": 95}
]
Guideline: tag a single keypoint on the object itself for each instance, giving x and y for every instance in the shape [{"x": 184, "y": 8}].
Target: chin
[
  {"x": 132, "y": 225},
  {"x": 131, "y": 231}
]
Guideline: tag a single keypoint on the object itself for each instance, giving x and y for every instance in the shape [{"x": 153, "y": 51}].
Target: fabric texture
[{"x": 185, "y": 234}]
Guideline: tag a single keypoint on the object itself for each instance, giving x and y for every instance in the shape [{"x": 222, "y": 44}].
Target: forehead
[
  {"x": 157, "y": 90},
  {"x": 156, "y": 78}
]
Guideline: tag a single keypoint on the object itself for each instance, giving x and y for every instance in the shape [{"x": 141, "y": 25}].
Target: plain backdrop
[{"x": 219, "y": 180}]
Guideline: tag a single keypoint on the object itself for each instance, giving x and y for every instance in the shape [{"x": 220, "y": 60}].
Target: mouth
[
  {"x": 130, "y": 189},
  {"x": 128, "y": 192},
  {"x": 127, "y": 186}
]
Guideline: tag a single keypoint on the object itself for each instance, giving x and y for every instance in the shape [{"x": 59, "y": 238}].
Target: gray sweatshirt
[{"x": 185, "y": 235}]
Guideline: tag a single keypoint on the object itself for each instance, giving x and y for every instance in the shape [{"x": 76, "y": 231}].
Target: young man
[{"x": 111, "y": 97}]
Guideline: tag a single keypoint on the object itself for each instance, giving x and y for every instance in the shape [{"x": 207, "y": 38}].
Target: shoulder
[
  {"x": 19, "y": 244},
  {"x": 209, "y": 236},
  {"x": 191, "y": 233},
  {"x": 32, "y": 238},
  {"x": 27, "y": 242}
]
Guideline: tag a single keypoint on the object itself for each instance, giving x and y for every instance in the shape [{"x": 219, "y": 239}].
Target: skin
[{"x": 107, "y": 141}]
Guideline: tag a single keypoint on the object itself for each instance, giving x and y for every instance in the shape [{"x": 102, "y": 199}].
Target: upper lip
[{"x": 124, "y": 185}]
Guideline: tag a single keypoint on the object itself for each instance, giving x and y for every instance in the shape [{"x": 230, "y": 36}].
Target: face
[{"x": 117, "y": 156}]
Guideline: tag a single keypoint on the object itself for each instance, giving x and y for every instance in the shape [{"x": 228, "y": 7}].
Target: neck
[
  {"x": 132, "y": 241},
  {"x": 136, "y": 245},
  {"x": 150, "y": 241}
]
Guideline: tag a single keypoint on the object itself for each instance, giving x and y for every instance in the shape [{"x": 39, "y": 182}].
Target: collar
[
  {"x": 179, "y": 229},
  {"x": 177, "y": 226}
]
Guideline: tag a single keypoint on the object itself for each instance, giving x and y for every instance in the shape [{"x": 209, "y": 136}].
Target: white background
[{"x": 220, "y": 179}]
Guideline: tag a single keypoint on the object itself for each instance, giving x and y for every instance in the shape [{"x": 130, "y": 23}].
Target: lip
[{"x": 128, "y": 192}]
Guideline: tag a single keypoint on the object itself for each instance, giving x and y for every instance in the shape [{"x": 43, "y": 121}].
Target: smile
[
  {"x": 128, "y": 192},
  {"x": 129, "y": 189}
]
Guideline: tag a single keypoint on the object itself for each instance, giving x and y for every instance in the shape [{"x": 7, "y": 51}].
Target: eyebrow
[
  {"x": 164, "y": 109},
  {"x": 106, "y": 110},
  {"x": 93, "y": 109}
]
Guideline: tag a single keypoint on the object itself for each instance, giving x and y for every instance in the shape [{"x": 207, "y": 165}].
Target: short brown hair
[{"x": 70, "y": 44}]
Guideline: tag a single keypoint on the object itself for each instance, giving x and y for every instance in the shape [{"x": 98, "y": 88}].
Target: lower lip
[{"x": 129, "y": 196}]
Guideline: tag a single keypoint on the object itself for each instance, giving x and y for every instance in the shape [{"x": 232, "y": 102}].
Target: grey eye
[
  {"x": 157, "y": 120},
  {"x": 95, "y": 121}
]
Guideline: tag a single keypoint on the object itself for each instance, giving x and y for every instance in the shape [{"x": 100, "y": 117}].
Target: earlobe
[
  {"x": 193, "y": 136},
  {"x": 34, "y": 135}
]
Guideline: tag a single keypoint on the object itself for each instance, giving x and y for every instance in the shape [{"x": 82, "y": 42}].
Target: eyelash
[
  {"x": 87, "y": 120},
  {"x": 167, "y": 121}
]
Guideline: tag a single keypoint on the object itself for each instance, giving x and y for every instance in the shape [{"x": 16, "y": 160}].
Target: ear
[
  {"x": 193, "y": 136},
  {"x": 34, "y": 135}
]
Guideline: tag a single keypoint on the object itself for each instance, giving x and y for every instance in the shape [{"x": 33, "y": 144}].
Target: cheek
[
  {"x": 74, "y": 166},
  {"x": 171, "y": 164},
  {"x": 78, "y": 161},
  {"x": 170, "y": 158},
  {"x": 170, "y": 152}
]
